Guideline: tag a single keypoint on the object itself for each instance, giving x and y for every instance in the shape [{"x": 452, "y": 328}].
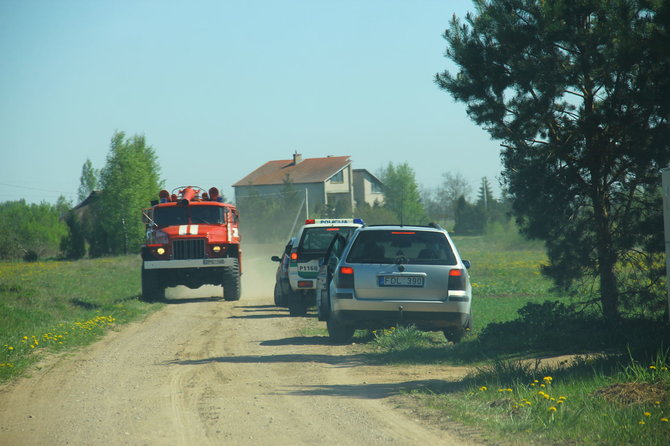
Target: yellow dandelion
[
  {"x": 552, "y": 409},
  {"x": 548, "y": 379},
  {"x": 483, "y": 388},
  {"x": 641, "y": 422},
  {"x": 664, "y": 420},
  {"x": 652, "y": 367},
  {"x": 647, "y": 414}
]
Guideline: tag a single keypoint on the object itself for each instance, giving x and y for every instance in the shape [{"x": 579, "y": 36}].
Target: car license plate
[{"x": 401, "y": 281}]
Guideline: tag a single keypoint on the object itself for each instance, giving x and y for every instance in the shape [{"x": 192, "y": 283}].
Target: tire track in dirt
[{"x": 210, "y": 372}]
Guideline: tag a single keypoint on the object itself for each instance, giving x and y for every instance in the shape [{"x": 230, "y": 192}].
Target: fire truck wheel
[
  {"x": 152, "y": 290},
  {"x": 231, "y": 282}
]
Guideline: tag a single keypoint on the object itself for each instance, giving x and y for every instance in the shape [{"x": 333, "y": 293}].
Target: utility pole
[
  {"x": 306, "y": 203},
  {"x": 665, "y": 173}
]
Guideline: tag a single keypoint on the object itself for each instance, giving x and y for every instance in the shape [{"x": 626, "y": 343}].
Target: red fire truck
[{"x": 193, "y": 239}]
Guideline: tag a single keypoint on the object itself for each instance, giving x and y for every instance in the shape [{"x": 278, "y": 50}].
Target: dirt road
[{"x": 206, "y": 372}]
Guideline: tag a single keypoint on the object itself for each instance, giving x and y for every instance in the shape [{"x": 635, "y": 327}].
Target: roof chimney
[{"x": 297, "y": 157}]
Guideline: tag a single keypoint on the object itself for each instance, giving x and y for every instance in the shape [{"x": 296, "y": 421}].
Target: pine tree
[{"x": 577, "y": 93}]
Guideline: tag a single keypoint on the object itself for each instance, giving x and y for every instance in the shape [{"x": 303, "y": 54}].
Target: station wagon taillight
[
  {"x": 456, "y": 279},
  {"x": 345, "y": 277}
]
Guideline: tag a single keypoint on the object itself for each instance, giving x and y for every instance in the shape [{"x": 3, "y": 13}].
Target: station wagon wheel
[
  {"x": 324, "y": 306},
  {"x": 454, "y": 334},
  {"x": 339, "y": 332}
]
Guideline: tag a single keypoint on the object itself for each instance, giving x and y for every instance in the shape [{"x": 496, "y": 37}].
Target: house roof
[{"x": 309, "y": 170}]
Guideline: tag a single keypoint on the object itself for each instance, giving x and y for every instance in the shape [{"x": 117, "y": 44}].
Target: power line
[{"x": 36, "y": 188}]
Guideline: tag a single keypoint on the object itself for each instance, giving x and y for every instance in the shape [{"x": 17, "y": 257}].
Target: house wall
[
  {"x": 340, "y": 191},
  {"x": 363, "y": 185},
  {"x": 343, "y": 187},
  {"x": 319, "y": 195}
]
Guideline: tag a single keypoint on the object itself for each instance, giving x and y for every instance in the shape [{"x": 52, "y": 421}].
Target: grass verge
[
  {"x": 54, "y": 306},
  {"x": 611, "y": 385}
]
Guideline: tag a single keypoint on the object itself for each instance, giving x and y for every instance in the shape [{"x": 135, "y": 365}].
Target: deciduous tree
[
  {"x": 88, "y": 181},
  {"x": 401, "y": 194},
  {"x": 129, "y": 181}
]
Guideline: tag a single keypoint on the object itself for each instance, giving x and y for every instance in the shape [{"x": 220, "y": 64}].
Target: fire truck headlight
[
  {"x": 160, "y": 251},
  {"x": 216, "y": 249}
]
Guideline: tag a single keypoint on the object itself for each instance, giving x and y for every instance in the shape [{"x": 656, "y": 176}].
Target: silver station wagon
[{"x": 384, "y": 276}]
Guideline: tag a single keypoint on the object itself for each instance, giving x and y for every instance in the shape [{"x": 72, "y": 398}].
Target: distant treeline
[
  {"x": 32, "y": 231},
  {"x": 107, "y": 219}
]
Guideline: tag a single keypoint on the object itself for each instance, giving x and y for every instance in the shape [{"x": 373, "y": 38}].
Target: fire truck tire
[
  {"x": 232, "y": 288},
  {"x": 152, "y": 290},
  {"x": 296, "y": 304}
]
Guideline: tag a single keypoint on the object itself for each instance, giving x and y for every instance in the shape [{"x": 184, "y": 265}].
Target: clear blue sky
[{"x": 220, "y": 87}]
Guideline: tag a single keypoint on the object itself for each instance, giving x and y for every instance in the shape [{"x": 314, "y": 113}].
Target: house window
[
  {"x": 375, "y": 187},
  {"x": 338, "y": 177}
]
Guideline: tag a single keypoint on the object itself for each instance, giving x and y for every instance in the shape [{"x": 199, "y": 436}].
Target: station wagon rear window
[{"x": 401, "y": 246}]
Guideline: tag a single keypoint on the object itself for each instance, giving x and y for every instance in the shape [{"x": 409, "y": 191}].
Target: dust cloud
[{"x": 258, "y": 271}]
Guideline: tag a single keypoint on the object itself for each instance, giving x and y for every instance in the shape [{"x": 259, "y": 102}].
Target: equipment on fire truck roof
[{"x": 185, "y": 194}]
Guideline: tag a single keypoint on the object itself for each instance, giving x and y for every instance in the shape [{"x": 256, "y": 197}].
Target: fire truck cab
[{"x": 192, "y": 239}]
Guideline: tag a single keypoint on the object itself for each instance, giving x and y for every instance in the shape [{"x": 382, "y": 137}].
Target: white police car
[{"x": 312, "y": 241}]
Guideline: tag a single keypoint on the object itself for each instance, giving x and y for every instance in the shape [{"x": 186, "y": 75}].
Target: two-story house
[{"x": 325, "y": 182}]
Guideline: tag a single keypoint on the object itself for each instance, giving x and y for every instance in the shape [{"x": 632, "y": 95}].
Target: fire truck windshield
[
  {"x": 206, "y": 215},
  {"x": 178, "y": 215}
]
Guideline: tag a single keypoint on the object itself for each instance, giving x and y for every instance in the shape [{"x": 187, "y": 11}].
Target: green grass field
[{"x": 615, "y": 391}]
